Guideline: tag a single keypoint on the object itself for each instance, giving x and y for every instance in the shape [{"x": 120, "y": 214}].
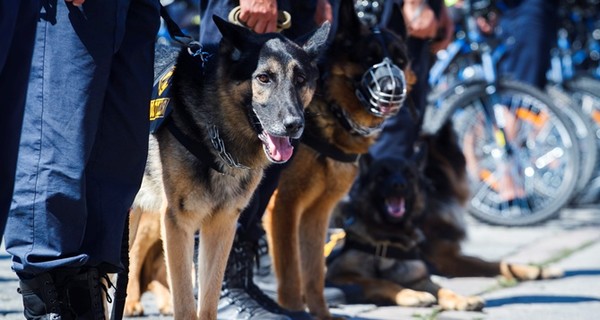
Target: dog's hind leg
[
  {"x": 178, "y": 241},
  {"x": 448, "y": 260},
  {"x": 163, "y": 297},
  {"x": 146, "y": 228},
  {"x": 383, "y": 291},
  {"x": 216, "y": 239}
]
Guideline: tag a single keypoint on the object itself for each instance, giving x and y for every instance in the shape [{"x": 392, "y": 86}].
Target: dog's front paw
[
  {"x": 527, "y": 272},
  {"x": 166, "y": 310},
  {"x": 133, "y": 309},
  {"x": 412, "y": 298},
  {"x": 449, "y": 300}
]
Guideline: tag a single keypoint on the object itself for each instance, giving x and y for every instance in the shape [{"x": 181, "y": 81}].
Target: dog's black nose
[
  {"x": 398, "y": 183},
  {"x": 294, "y": 127}
]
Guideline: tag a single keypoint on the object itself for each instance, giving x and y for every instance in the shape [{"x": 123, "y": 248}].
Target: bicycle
[{"x": 513, "y": 136}]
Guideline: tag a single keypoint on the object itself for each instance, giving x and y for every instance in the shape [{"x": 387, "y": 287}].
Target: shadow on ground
[{"x": 493, "y": 303}]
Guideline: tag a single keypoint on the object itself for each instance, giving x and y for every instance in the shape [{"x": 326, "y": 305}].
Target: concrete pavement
[{"x": 571, "y": 242}]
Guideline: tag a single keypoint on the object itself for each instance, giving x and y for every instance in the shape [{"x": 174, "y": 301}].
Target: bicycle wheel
[
  {"x": 525, "y": 175},
  {"x": 585, "y": 132},
  {"x": 585, "y": 91}
]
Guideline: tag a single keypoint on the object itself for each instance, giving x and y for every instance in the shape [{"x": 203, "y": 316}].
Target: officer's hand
[
  {"x": 323, "y": 12},
  {"x": 76, "y": 3},
  {"x": 420, "y": 19},
  {"x": 259, "y": 15}
]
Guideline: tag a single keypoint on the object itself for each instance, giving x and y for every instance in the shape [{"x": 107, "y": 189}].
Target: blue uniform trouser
[
  {"x": 85, "y": 134},
  {"x": 531, "y": 27},
  {"x": 17, "y": 29}
]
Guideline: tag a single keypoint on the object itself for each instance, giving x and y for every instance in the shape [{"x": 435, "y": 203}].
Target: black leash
[{"x": 122, "y": 277}]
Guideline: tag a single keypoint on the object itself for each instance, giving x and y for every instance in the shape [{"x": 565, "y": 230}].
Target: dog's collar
[
  {"x": 382, "y": 249},
  {"x": 349, "y": 124},
  {"x": 327, "y": 149},
  {"x": 219, "y": 146},
  {"x": 199, "y": 149}
]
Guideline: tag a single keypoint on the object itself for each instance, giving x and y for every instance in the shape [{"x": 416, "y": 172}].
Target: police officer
[
  {"x": 17, "y": 25},
  {"x": 82, "y": 151}
]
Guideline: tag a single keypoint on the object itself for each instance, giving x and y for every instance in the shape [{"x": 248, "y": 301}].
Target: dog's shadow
[
  {"x": 538, "y": 299},
  {"x": 529, "y": 299}
]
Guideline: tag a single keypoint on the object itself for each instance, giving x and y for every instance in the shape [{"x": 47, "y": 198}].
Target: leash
[
  {"x": 284, "y": 19},
  {"x": 122, "y": 277}
]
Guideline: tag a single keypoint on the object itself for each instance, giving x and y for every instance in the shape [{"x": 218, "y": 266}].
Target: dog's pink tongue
[
  {"x": 396, "y": 207},
  {"x": 280, "y": 148}
]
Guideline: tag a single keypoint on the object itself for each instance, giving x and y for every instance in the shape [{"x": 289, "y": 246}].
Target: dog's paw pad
[
  {"x": 412, "y": 298},
  {"x": 449, "y": 300},
  {"x": 134, "y": 309},
  {"x": 552, "y": 273}
]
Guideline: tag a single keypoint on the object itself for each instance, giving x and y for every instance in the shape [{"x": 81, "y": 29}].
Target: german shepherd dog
[
  {"x": 230, "y": 119},
  {"x": 342, "y": 122},
  {"x": 406, "y": 218}
]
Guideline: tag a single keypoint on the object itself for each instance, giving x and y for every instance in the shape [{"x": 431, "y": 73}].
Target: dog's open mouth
[
  {"x": 277, "y": 149},
  {"x": 395, "y": 206}
]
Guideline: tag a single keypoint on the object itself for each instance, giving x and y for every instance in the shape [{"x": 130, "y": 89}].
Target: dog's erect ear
[
  {"x": 317, "y": 41},
  {"x": 237, "y": 36}
]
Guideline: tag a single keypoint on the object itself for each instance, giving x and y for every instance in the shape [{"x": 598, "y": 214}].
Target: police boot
[
  {"x": 64, "y": 294},
  {"x": 40, "y": 298},
  {"x": 240, "y": 297}
]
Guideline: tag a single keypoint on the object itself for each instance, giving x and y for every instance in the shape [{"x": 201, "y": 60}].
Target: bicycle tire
[
  {"x": 485, "y": 203},
  {"x": 585, "y": 90},
  {"x": 584, "y": 130}
]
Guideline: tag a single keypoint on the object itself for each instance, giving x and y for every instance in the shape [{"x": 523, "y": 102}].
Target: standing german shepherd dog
[
  {"x": 230, "y": 119},
  {"x": 362, "y": 85},
  {"x": 405, "y": 219}
]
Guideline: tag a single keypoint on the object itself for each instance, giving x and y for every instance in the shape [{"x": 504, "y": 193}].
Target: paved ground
[{"x": 571, "y": 242}]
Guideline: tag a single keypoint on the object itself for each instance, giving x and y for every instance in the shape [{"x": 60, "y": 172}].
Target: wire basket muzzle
[{"x": 382, "y": 89}]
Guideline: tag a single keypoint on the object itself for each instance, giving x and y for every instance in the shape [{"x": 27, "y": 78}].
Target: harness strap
[
  {"x": 382, "y": 249},
  {"x": 351, "y": 126},
  {"x": 198, "y": 149}
]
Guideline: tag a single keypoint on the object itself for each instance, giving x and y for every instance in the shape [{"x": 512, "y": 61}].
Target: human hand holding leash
[
  {"x": 323, "y": 12},
  {"x": 259, "y": 15},
  {"x": 420, "y": 19},
  {"x": 76, "y": 3}
]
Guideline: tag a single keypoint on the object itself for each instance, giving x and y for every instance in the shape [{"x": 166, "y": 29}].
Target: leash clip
[{"x": 194, "y": 48}]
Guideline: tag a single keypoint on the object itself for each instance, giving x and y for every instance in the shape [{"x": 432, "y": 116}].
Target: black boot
[
  {"x": 64, "y": 294},
  {"x": 240, "y": 297},
  {"x": 40, "y": 298}
]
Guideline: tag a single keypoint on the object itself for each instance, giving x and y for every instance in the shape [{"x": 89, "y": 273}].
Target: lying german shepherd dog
[
  {"x": 232, "y": 115},
  {"x": 405, "y": 219},
  {"x": 362, "y": 85}
]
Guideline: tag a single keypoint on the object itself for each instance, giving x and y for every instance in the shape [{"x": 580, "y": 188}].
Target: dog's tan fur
[
  {"x": 147, "y": 267},
  {"x": 188, "y": 193},
  {"x": 309, "y": 188}
]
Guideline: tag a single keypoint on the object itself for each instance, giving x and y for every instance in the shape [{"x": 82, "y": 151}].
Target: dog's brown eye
[
  {"x": 263, "y": 78},
  {"x": 300, "y": 79}
]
